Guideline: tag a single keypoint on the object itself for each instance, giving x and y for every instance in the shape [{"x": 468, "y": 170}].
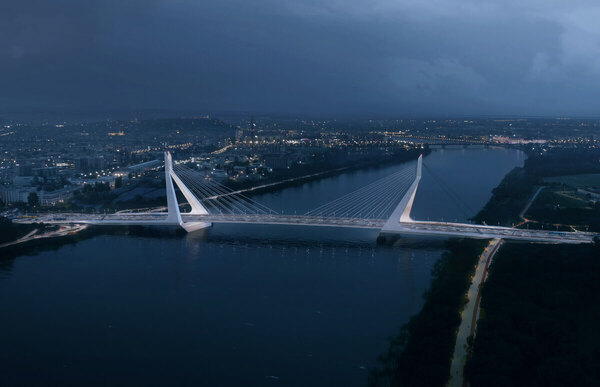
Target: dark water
[{"x": 235, "y": 305}]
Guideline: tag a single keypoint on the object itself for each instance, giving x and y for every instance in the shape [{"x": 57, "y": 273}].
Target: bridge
[{"x": 383, "y": 205}]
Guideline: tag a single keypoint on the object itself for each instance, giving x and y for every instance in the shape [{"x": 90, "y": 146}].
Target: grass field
[
  {"x": 583, "y": 180},
  {"x": 558, "y": 197},
  {"x": 555, "y": 205}
]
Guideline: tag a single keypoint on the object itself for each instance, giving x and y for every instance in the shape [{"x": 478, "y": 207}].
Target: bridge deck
[
  {"x": 490, "y": 232},
  {"x": 415, "y": 227},
  {"x": 158, "y": 218}
]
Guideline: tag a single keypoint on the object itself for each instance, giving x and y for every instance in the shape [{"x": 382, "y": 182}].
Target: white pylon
[
  {"x": 174, "y": 215},
  {"x": 402, "y": 211}
]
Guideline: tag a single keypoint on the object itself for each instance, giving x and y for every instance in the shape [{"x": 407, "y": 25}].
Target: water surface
[{"x": 232, "y": 305}]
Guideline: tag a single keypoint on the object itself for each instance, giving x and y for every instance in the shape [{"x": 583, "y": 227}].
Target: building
[
  {"x": 25, "y": 170},
  {"x": 55, "y": 197},
  {"x": 276, "y": 161},
  {"x": 15, "y": 194},
  {"x": 21, "y": 194},
  {"x": 87, "y": 164}
]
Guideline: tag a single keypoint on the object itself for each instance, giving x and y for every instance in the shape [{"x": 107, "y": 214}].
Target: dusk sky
[{"x": 342, "y": 57}]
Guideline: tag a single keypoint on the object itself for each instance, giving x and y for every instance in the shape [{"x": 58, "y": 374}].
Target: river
[{"x": 233, "y": 305}]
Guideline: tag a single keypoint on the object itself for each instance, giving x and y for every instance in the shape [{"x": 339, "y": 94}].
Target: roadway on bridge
[{"x": 439, "y": 229}]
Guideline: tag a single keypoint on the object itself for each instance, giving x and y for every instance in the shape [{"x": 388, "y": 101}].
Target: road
[
  {"x": 437, "y": 229},
  {"x": 62, "y": 231},
  {"x": 530, "y": 202},
  {"x": 470, "y": 314},
  {"x": 488, "y": 232}
]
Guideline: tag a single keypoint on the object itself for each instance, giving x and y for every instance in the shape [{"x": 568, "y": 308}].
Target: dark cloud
[{"x": 327, "y": 56}]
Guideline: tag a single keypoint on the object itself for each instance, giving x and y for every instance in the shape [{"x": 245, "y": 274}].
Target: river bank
[
  {"x": 40, "y": 239},
  {"x": 303, "y": 177},
  {"x": 420, "y": 354},
  {"x": 44, "y": 233}
]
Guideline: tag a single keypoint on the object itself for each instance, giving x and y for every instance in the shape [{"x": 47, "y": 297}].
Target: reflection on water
[{"x": 233, "y": 304}]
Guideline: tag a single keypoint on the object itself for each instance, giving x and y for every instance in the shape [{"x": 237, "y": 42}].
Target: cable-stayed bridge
[{"x": 383, "y": 205}]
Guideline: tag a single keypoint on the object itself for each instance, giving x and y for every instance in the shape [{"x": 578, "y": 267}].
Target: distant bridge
[
  {"x": 443, "y": 141},
  {"x": 367, "y": 208}
]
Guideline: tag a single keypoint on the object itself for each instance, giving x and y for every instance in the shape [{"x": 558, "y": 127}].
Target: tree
[{"x": 33, "y": 199}]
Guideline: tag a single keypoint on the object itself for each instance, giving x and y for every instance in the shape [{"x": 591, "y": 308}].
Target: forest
[
  {"x": 540, "y": 315},
  {"x": 508, "y": 199},
  {"x": 420, "y": 354}
]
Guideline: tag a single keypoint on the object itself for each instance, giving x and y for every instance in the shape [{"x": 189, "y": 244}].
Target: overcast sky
[{"x": 405, "y": 57}]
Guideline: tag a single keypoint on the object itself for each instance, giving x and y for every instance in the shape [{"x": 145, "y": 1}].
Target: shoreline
[
  {"x": 33, "y": 236},
  {"x": 363, "y": 165},
  {"x": 421, "y": 353},
  {"x": 46, "y": 241}
]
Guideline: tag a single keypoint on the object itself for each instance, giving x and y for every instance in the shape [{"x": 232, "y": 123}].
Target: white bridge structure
[{"x": 383, "y": 205}]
